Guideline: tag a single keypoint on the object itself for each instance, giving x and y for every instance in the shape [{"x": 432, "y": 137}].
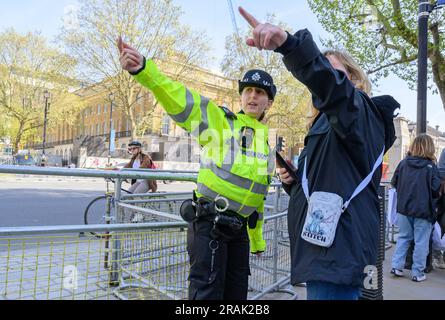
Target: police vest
[{"x": 236, "y": 161}]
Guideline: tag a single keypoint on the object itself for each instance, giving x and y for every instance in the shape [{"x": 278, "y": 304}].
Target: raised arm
[
  {"x": 332, "y": 92},
  {"x": 190, "y": 110}
]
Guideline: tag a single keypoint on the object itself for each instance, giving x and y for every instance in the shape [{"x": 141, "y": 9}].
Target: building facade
[
  {"x": 406, "y": 132},
  {"x": 162, "y": 138}
]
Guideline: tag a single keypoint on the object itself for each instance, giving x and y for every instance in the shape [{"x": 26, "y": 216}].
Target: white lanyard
[{"x": 360, "y": 187}]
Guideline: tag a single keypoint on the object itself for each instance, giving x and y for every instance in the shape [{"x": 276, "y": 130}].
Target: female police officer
[{"x": 236, "y": 169}]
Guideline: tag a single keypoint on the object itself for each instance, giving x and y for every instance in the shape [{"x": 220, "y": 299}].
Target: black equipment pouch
[
  {"x": 232, "y": 222},
  {"x": 252, "y": 220},
  {"x": 188, "y": 211}
]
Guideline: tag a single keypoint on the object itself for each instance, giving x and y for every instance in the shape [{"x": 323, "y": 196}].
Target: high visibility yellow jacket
[{"x": 236, "y": 161}]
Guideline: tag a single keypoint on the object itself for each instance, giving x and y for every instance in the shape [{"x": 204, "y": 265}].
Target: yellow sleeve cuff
[{"x": 257, "y": 243}]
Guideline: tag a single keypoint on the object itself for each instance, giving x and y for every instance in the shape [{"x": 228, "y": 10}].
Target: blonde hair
[
  {"x": 423, "y": 147},
  {"x": 356, "y": 74}
]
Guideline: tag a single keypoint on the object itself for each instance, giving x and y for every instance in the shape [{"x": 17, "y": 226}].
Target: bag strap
[{"x": 360, "y": 187}]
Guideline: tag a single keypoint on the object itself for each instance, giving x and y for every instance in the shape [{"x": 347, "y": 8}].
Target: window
[
  {"x": 165, "y": 124},
  {"x": 105, "y": 108},
  {"x": 128, "y": 127},
  {"x": 105, "y": 128},
  {"x": 98, "y": 109},
  {"x": 98, "y": 129}
]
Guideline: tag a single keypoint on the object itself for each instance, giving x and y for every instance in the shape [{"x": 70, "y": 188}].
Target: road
[{"x": 50, "y": 201}]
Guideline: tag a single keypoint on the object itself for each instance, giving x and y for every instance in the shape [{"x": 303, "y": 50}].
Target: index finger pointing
[{"x": 249, "y": 18}]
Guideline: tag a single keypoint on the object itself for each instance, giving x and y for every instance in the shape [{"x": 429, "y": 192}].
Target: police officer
[{"x": 234, "y": 177}]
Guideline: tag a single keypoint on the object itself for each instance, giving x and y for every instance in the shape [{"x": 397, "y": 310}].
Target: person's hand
[
  {"x": 131, "y": 60},
  {"x": 285, "y": 177},
  {"x": 265, "y": 35}
]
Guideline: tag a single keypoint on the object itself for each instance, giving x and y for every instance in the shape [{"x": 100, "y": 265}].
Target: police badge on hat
[{"x": 260, "y": 79}]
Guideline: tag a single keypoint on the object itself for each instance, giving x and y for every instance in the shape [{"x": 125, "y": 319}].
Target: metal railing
[
  {"x": 6, "y": 160},
  {"x": 146, "y": 260}
]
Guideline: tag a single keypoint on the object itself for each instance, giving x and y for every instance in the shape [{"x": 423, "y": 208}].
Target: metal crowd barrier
[
  {"x": 147, "y": 264},
  {"x": 147, "y": 256}
]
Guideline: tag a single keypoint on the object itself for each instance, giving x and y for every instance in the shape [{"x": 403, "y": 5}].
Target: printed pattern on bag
[
  {"x": 323, "y": 214},
  {"x": 325, "y": 209}
]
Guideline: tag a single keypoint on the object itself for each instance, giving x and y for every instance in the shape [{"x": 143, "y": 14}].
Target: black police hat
[{"x": 259, "y": 79}]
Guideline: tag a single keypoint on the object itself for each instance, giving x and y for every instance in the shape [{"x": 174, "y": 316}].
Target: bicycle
[{"x": 98, "y": 211}]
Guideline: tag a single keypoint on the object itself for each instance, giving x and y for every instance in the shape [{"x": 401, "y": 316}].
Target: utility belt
[{"x": 215, "y": 211}]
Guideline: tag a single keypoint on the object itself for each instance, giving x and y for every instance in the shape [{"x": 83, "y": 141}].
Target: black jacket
[
  {"x": 341, "y": 147},
  {"x": 441, "y": 165},
  {"x": 417, "y": 182}
]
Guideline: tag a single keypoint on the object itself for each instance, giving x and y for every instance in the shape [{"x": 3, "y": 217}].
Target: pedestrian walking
[{"x": 417, "y": 181}]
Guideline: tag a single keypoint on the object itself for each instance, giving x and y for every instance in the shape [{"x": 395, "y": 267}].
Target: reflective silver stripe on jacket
[
  {"x": 184, "y": 115},
  {"x": 204, "y": 125},
  {"x": 238, "y": 181}
]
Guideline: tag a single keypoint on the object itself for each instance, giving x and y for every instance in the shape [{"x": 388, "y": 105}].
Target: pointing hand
[
  {"x": 265, "y": 35},
  {"x": 131, "y": 60}
]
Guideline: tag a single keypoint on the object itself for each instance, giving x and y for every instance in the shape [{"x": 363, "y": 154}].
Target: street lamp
[
  {"x": 46, "y": 95},
  {"x": 111, "y": 97},
  {"x": 425, "y": 9}
]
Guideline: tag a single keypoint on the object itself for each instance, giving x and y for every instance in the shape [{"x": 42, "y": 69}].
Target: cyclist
[{"x": 140, "y": 160}]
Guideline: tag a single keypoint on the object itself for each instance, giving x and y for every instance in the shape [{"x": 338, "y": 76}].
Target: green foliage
[
  {"x": 28, "y": 68},
  {"x": 382, "y": 36},
  {"x": 152, "y": 27},
  {"x": 288, "y": 113}
]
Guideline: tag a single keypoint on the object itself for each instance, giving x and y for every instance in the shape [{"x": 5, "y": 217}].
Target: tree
[
  {"x": 29, "y": 67},
  {"x": 152, "y": 27},
  {"x": 382, "y": 35},
  {"x": 288, "y": 113}
]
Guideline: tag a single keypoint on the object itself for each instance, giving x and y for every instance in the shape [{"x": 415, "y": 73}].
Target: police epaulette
[{"x": 229, "y": 114}]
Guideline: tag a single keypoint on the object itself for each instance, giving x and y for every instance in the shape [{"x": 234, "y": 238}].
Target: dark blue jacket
[
  {"x": 417, "y": 181},
  {"x": 441, "y": 165},
  {"x": 341, "y": 147}
]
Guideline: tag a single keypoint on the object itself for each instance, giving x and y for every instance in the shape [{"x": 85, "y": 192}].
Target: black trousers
[{"x": 229, "y": 278}]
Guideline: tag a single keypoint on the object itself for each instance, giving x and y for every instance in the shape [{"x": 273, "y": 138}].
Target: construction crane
[{"x": 237, "y": 34}]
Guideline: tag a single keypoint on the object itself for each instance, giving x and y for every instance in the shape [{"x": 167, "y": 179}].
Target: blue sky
[{"x": 213, "y": 17}]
